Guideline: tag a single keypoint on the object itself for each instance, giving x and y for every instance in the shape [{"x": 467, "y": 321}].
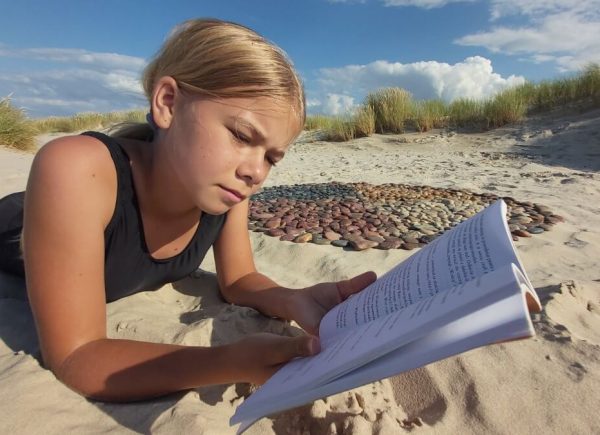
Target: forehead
[{"x": 275, "y": 118}]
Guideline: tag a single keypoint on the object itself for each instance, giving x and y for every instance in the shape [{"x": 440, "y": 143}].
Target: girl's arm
[
  {"x": 241, "y": 284},
  {"x": 70, "y": 198},
  {"x": 239, "y": 281}
]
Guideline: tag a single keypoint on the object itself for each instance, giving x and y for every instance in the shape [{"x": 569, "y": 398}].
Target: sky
[{"x": 62, "y": 57}]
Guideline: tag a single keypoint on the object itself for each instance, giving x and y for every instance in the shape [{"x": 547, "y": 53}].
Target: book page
[
  {"x": 503, "y": 319},
  {"x": 473, "y": 248},
  {"x": 356, "y": 347}
]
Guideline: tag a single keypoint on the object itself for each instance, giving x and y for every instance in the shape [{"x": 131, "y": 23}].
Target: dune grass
[
  {"x": 392, "y": 110},
  {"x": 87, "y": 121},
  {"x": 429, "y": 114},
  {"x": 391, "y": 107},
  {"x": 317, "y": 122},
  {"x": 387, "y": 110},
  {"x": 16, "y": 131}
]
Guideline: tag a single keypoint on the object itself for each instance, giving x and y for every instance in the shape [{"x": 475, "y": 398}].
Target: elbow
[
  {"x": 88, "y": 386},
  {"x": 80, "y": 374},
  {"x": 226, "y": 293}
]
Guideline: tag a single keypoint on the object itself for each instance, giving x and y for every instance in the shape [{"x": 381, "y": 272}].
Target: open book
[{"x": 464, "y": 290}]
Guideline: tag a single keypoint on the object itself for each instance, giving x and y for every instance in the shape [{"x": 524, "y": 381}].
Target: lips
[{"x": 234, "y": 192}]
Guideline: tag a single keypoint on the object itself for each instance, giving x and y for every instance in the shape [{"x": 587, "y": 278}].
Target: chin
[{"x": 214, "y": 209}]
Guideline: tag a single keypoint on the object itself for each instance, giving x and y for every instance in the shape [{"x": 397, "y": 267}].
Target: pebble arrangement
[{"x": 389, "y": 216}]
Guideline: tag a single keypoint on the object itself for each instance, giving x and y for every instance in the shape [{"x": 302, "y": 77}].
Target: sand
[{"x": 546, "y": 384}]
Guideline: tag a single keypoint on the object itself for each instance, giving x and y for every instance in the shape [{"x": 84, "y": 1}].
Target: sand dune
[{"x": 548, "y": 384}]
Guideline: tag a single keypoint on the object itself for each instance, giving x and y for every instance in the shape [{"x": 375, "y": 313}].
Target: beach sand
[{"x": 546, "y": 384}]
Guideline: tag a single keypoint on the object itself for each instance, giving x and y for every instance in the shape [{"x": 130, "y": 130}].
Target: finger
[
  {"x": 353, "y": 285},
  {"x": 293, "y": 347}
]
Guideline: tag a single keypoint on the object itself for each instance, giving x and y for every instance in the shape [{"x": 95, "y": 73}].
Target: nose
[{"x": 253, "y": 168}]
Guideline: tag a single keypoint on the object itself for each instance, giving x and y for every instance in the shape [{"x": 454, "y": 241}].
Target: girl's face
[{"x": 221, "y": 151}]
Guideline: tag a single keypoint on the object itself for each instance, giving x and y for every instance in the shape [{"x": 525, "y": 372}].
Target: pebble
[
  {"x": 521, "y": 233},
  {"x": 362, "y": 244},
  {"x": 390, "y": 244},
  {"x": 535, "y": 230},
  {"x": 303, "y": 238},
  {"x": 387, "y": 216},
  {"x": 340, "y": 243}
]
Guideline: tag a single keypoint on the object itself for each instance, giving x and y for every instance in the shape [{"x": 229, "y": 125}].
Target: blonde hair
[{"x": 224, "y": 60}]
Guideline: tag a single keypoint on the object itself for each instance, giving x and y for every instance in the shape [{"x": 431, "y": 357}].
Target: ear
[{"x": 163, "y": 101}]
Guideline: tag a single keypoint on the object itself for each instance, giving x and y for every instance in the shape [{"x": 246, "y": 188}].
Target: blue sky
[{"x": 62, "y": 57}]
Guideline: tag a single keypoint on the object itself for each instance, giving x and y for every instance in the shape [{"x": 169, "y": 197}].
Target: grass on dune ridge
[
  {"x": 392, "y": 110},
  {"x": 387, "y": 110},
  {"x": 16, "y": 131}
]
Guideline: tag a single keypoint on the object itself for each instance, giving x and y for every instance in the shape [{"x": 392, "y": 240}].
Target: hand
[
  {"x": 260, "y": 355},
  {"x": 308, "y": 306}
]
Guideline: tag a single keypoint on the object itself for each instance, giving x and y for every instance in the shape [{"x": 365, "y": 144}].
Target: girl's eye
[
  {"x": 272, "y": 162},
  {"x": 239, "y": 136}
]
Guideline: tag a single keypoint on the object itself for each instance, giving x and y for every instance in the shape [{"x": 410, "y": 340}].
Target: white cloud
[
  {"x": 472, "y": 78},
  {"x": 313, "y": 102},
  {"x": 67, "y": 81},
  {"x": 425, "y": 4},
  {"x": 565, "y": 32},
  {"x": 337, "y": 104},
  {"x": 76, "y": 56},
  {"x": 537, "y": 8}
]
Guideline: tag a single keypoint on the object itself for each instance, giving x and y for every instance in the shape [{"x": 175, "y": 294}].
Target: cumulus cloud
[
  {"x": 336, "y": 104},
  {"x": 565, "y": 32},
  {"x": 472, "y": 78},
  {"x": 425, "y": 4},
  {"x": 66, "y": 81}
]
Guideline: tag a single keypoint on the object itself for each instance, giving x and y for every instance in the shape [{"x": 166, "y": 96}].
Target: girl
[{"x": 108, "y": 216}]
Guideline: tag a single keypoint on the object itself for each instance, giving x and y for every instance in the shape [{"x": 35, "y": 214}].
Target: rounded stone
[
  {"x": 521, "y": 233},
  {"x": 331, "y": 235},
  {"x": 303, "y": 238},
  {"x": 535, "y": 230},
  {"x": 275, "y": 232},
  {"x": 340, "y": 243},
  {"x": 390, "y": 244},
  {"x": 362, "y": 244}
]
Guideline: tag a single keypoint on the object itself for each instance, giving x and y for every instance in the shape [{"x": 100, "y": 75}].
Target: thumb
[
  {"x": 303, "y": 345},
  {"x": 350, "y": 286}
]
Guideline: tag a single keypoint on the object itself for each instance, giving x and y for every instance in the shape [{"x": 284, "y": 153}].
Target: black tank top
[{"x": 129, "y": 268}]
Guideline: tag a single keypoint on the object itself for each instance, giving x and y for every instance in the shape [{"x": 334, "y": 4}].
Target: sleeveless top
[{"x": 128, "y": 266}]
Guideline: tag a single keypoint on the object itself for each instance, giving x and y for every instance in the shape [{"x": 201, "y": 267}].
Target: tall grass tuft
[
  {"x": 589, "y": 83},
  {"x": 341, "y": 129},
  {"x": 317, "y": 122},
  {"x": 364, "y": 121},
  {"x": 430, "y": 114},
  {"x": 465, "y": 112},
  {"x": 87, "y": 121},
  {"x": 16, "y": 131},
  {"x": 505, "y": 107},
  {"x": 392, "y": 107}
]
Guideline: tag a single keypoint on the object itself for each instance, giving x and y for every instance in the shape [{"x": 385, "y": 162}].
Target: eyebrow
[
  {"x": 256, "y": 132},
  {"x": 249, "y": 125}
]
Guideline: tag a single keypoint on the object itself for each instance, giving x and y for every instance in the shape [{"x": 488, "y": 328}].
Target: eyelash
[{"x": 241, "y": 138}]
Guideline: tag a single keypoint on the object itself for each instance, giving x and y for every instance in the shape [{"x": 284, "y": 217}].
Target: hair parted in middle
[{"x": 222, "y": 59}]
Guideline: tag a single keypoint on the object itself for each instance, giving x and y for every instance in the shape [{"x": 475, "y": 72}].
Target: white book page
[
  {"x": 477, "y": 246},
  {"x": 502, "y": 320},
  {"x": 366, "y": 342}
]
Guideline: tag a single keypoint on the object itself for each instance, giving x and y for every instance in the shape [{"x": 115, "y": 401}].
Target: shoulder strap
[{"x": 120, "y": 158}]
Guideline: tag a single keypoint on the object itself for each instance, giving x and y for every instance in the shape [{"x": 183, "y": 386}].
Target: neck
[{"x": 159, "y": 191}]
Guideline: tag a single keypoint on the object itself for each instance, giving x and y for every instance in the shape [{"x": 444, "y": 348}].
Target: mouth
[{"x": 234, "y": 193}]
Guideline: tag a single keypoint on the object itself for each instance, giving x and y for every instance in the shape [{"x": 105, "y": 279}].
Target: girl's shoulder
[{"x": 78, "y": 166}]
